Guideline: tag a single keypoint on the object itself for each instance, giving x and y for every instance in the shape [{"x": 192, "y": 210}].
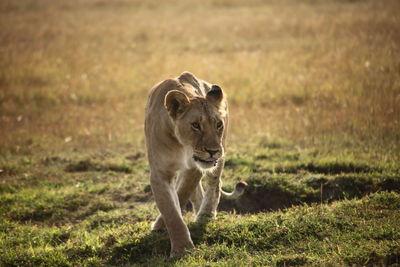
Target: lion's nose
[{"x": 211, "y": 151}]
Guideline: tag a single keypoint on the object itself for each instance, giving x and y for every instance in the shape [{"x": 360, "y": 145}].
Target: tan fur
[{"x": 185, "y": 127}]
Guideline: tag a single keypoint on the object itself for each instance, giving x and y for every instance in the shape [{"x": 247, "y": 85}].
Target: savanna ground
[{"x": 314, "y": 93}]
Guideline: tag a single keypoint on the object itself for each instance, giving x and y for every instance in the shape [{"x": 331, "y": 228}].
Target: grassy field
[{"x": 314, "y": 96}]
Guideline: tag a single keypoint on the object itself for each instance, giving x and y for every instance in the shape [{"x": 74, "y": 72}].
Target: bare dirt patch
[{"x": 274, "y": 196}]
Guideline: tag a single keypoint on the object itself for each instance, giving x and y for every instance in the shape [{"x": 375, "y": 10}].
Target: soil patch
[{"x": 273, "y": 196}]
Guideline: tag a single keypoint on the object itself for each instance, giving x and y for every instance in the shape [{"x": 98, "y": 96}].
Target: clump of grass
[
  {"x": 49, "y": 206},
  {"x": 88, "y": 165}
]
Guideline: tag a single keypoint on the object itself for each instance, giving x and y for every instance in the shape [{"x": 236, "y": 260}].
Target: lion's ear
[
  {"x": 215, "y": 95},
  {"x": 176, "y": 102}
]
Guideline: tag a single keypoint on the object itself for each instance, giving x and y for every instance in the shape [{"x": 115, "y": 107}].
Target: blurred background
[{"x": 74, "y": 75}]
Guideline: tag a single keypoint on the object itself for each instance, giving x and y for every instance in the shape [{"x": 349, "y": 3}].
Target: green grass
[
  {"x": 349, "y": 232},
  {"x": 302, "y": 207}
]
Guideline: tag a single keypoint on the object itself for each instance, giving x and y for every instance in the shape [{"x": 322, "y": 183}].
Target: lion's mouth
[{"x": 207, "y": 161}]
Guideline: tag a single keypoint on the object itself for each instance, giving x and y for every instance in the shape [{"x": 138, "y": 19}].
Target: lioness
[{"x": 185, "y": 127}]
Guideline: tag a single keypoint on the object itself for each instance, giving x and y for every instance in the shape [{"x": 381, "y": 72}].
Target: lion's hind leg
[
  {"x": 158, "y": 223},
  {"x": 187, "y": 184},
  {"x": 197, "y": 198}
]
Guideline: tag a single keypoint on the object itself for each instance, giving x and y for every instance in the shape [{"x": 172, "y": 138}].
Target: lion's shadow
[{"x": 153, "y": 246}]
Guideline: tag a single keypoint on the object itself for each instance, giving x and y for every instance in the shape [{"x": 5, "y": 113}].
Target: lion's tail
[{"x": 236, "y": 193}]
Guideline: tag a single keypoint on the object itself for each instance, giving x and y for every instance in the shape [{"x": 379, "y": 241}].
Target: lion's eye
[
  {"x": 196, "y": 126},
  {"x": 219, "y": 124}
]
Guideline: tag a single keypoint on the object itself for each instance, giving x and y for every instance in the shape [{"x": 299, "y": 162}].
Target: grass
[
  {"x": 313, "y": 92},
  {"x": 340, "y": 211}
]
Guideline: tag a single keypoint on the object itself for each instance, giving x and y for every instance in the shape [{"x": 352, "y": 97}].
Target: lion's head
[{"x": 199, "y": 124}]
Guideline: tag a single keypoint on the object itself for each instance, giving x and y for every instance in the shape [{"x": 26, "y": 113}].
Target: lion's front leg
[
  {"x": 212, "y": 194},
  {"x": 168, "y": 204},
  {"x": 188, "y": 180}
]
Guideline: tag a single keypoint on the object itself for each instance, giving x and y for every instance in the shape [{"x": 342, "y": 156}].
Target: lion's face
[
  {"x": 201, "y": 128},
  {"x": 199, "y": 125}
]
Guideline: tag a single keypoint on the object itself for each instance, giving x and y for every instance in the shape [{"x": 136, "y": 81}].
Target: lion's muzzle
[{"x": 207, "y": 162}]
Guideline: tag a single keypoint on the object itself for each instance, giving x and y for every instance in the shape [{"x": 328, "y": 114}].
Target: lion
[{"x": 186, "y": 123}]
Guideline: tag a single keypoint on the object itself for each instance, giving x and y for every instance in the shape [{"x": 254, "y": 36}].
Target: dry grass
[{"x": 312, "y": 72}]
